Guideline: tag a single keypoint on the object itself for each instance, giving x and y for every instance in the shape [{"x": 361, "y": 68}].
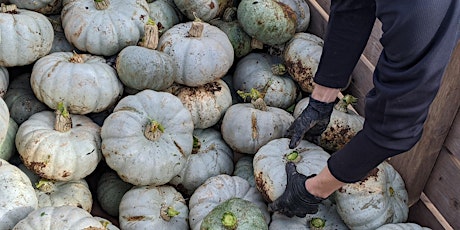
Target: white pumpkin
[
  {"x": 380, "y": 198},
  {"x": 41, "y": 6},
  {"x": 25, "y": 36},
  {"x": 218, "y": 189},
  {"x": 165, "y": 14},
  {"x": 104, "y": 27},
  {"x": 245, "y": 169},
  {"x": 202, "y": 52},
  {"x": 4, "y": 120},
  {"x": 153, "y": 207},
  {"x": 7, "y": 146},
  {"x": 17, "y": 196},
  {"x": 84, "y": 82},
  {"x": 4, "y": 80},
  {"x": 402, "y": 226},
  {"x": 203, "y": 9},
  {"x": 147, "y": 138},
  {"x": 211, "y": 156},
  {"x": 270, "y": 162}
]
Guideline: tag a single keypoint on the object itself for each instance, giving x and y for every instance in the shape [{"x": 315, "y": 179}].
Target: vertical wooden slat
[{"x": 415, "y": 166}]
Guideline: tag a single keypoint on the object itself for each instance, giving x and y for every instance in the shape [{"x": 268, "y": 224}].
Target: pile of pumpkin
[{"x": 168, "y": 115}]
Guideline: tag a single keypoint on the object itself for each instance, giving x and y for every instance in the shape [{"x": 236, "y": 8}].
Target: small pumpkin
[
  {"x": 84, "y": 82},
  {"x": 344, "y": 123},
  {"x": 60, "y": 217},
  {"x": 17, "y": 196},
  {"x": 153, "y": 207},
  {"x": 206, "y": 10},
  {"x": 110, "y": 189},
  {"x": 234, "y": 213},
  {"x": 4, "y": 80},
  {"x": 271, "y": 159},
  {"x": 41, "y": 6},
  {"x": 218, "y": 189},
  {"x": 301, "y": 55},
  {"x": 270, "y": 22},
  {"x": 248, "y": 126},
  {"x": 209, "y": 52},
  {"x": 104, "y": 27},
  {"x": 211, "y": 156},
  {"x": 380, "y": 198},
  {"x": 267, "y": 74},
  {"x": 4, "y": 120},
  {"x": 207, "y": 103},
  {"x": 107, "y": 224},
  {"x": 59, "y": 146},
  {"x": 143, "y": 67},
  {"x": 302, "y": 12},
  {"x": 147, "y": 138},
  {"x": 245, "y": 169},
  {"x": 7, "y": 146},
  {"x": 165, "y": 14},
  {"x": 402, "y": 226},
  {"x": 58, "y": 193},
  {"x": 26, "y": 36}
]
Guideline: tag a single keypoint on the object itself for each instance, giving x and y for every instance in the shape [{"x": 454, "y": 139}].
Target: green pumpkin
[
  {"x": 7, "y": 146},
  {"x": 110, "y": 190},
  {"x": 234, "y": 214}
]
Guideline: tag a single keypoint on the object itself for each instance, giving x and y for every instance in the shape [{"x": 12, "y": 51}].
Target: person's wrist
[{"x": 324, "y": 94}]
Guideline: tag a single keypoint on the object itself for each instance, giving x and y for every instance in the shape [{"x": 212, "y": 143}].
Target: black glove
[
  {"x": 295, "y": 200},
  {"x": 312, "y": 122}
]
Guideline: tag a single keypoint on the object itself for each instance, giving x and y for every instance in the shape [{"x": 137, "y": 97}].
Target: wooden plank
[
  {"x": 453, "y": 139},
  {"x": 436, "y": 213},
  {"x": 443, "y": 187},
  {"x": 318, "y": 19},
  {"x": 420, "y": 214},
  {"x": 422, "y": 156}
]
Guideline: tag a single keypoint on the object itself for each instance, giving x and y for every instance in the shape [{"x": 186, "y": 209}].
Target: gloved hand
[
  {"x": 295, "y": 200},
  {"x": 311, "y": 122}
]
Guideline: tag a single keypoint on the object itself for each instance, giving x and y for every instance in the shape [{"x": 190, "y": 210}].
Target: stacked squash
[{"x": 165, "y": 114}]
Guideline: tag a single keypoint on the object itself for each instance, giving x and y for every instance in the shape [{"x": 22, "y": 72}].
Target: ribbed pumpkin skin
[
  {"x": 245, "y": 169},
  {"x": 270, "y": 161},
  {"x": 24, "y": 27},
  {"x": 200, "y": 60},
  {"x": 269, "y": 21},
  {"x": 402, "y": 226},
  {"x": 4, "y": 80},
  {"x": 207, "y": 103},
  {"x": 7, "y": 146},
  {"x": 135, "y": 158},
  {"x": 165, "y": 14},
  {"x": 381, "y": 198},
  {"x": 143, "y": 207},
  {"x": 141, "y": 68},
  {"x": 218, "y": 189},
  {"x": 203, "y": 9},
  {"x": 41, "y": 6},
  {"x": 17, "y": 196},
  {"x": 4, "y": 119},
  {"x": 110, "y": 190},
  {"x": 302, "y": 12},
  {"x": 248, "y": 215},
  {"x": 104, "y": 32},
  {"x": 88, "y": 87},
  {"x": 41, "y": 147},
  {"x": 213, "y": 157},
  {"x": 302, "y": 54},
  {"x": 255, "y": 71},
  {"x": 62, "y": 217}
]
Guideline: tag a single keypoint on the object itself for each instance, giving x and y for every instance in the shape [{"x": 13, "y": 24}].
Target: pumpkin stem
[
  {"x": 256, "y": 44},
  {"x": 344, "y": 102},
  {"x": 167, "y": 212},
  {"x": 196, "y": 145},
  {"x": 63, "y": 121},
  {"x": 293, "y": 157},
  {"x": 257, "y": 98},
  {"x": 10, "y": 9},
  {"x": 317, "y": 223},
  {"x": 45, "y": 185},
  {"x": 279, "y": 69},
  {"x": 392, "y": 191},
  {"x": 76, "y": 58},
  {"x": 196, "y": 30},
  {"x": 153, "y": 130},
  {"x": 150, "y": 39},
  {"x": 101, "y": 4},
  {"x": 229, "y": 221}
]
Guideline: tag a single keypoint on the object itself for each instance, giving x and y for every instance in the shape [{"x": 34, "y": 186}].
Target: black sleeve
[{"x": 350, "y": 24}]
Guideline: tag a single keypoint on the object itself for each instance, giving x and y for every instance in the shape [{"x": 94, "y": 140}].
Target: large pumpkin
[
  {"x": 59, "y": 146},
  {"x": 202, "y": 52},
  {"x": 104, "y": 27},
  {"x": 381, "y": 198},
  {"x": 269, "y": 21},
  {"x": 211, "y": 156},
  {"x": 302, "y": 12},
  {"x": 218, "y": 189},
  {"x": 148, "y": 137},
  {"x": 301, "y": 54},
  {"x": 25, "y": 36},
  {"x": 267, "y": 74},
  {"x": 271, "y": 159},
  {"x": 17, "y": 196},
  {"x": 153, "y": 207},
  {"x": 84, "y": 82},
  {"x": 207, "y": 103}
]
